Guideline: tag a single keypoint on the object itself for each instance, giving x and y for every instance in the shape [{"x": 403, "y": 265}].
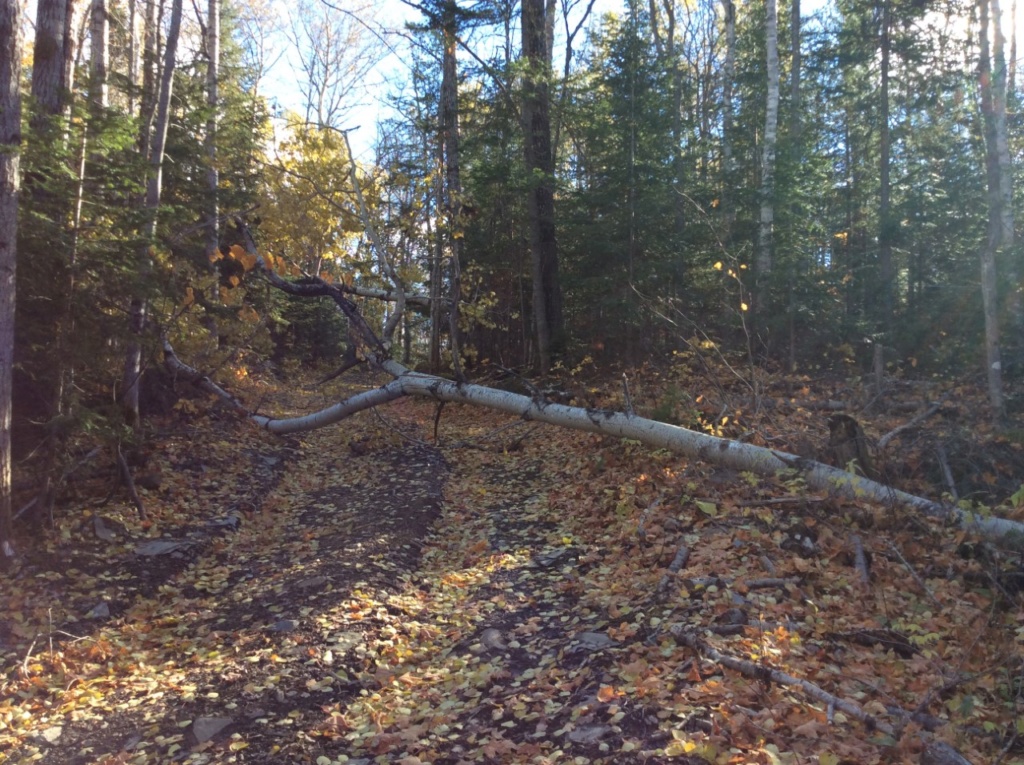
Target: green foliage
[
  {"x": 675, "y": 407},
  {"x": 83, "y": 256},
  {"x": 312, "y": 332}
]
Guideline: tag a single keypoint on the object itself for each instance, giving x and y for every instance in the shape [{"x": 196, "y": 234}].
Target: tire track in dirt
[
  {"x": 510, "y": 663},
  {"x": 262, "y": 625}
]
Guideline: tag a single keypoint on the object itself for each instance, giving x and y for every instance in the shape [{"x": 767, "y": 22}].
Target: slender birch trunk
[
  {"x": 989, "y": 282},
  {"x": 885, "y": 225},
  {"x": 99, "y": 61},
  {"x": 728, "y": 204},
  {"x": 131, "y": 379},
  {"x": 212, "y": 103},
  {"x": 150, "y": 72},
  {"x": 771, "y": 127},
  {"x": 1007, "y": 233}
]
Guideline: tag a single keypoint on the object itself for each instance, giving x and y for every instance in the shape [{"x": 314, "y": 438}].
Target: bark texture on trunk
[
  {"x": 1007, "y": 224},
  {"x": 771, "y": 128},
  {"x": 547, "y": 294},
  {"x": 728, "y": 75},
  {"x": 885, "y": 223},
  {"x": 659, "y": 435},
  {"x": 213, "y": 104},
  {"x": 453, "y": 181},
  {"x": 99, "y": 62},
  {"x": 50, "y": 53},
  {"x": 989, "y": 279},
  {"x": 10, "y": 179}
]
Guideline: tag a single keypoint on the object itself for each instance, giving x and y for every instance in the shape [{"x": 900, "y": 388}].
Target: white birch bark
[
  {"x": 689, "y": 443},
  {"x": 771, "y": 129},
  {"x": 99, "y": 60},
  {"x": 131, "y": 379},
  {"x": 1006, "y": 218},
  {"x": 1007, "y": 235},
  {"x": 658, "y": 435},
  {"x": 989, "y": 283},
  {"x": 728, "y": 75},
  {"x": 212, "y": 103}
]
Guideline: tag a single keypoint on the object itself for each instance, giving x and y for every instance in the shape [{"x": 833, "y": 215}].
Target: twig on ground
[
  {"x": 860, "y": 559},
  {"x": 947, "y": 474},
  {"x": 914, "y": 574},
  {"x": 397, "y": 430},
  {"x": 28, "y": 655},
  {"x": 129, "y": 482},
  {"x": 437, "y": 422},
  {"x": 680, "y": 559},
  {"x": 762, "y": 583},
  {"x": 1006, "y": 748},
  {"x": 764, "y": 673},
  {"x": 641, "y": 529},
  {"x": 884, "y": 440},
  {"x": 778, "y": 501}
]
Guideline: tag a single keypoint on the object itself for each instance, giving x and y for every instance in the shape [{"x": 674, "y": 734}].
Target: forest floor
[{"x": 501, "y": 593}]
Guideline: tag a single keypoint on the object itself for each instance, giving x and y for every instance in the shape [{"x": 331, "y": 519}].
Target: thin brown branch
[
  {"x": 884, "y": 440},
  {"x": 129, "y": 482},
  {"x": 764, "y": 673}
]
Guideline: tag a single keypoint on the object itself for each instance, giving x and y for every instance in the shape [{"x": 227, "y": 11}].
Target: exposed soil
[{"x": 360, "y": 594}]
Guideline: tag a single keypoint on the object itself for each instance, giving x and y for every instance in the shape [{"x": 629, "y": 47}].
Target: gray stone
[
  {"x": 162, "y": 546},
  {"x": 589, "y": 734},
  {"x": 205, "y": 728},
  {"x": 593, "y": 641},
  {"x": 102, "y": 530},
  {"x": 285, "y": 625}
]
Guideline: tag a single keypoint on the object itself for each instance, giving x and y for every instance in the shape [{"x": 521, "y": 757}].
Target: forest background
[{"x": 812, "y": 191}]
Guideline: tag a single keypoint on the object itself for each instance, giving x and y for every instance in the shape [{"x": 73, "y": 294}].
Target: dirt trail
[{"x": 376, "y": 598}]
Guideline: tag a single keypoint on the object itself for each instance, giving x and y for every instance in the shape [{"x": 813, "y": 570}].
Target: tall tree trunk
[
  {"x": 989, "y": 282},
  {"x": 795, "y": 73},
  {"x": 1011, "y": 83},
  {"x": 10, "y": 156},
  {"x": 62, "y": 369},
  {"x": 1007, "y": 234},
  {"x": 453, "y": 181},
  {"x": 547, "y": 294},
  {"x": 131, "y": 380},
  {"x": 99, "y": 63},
  {"x": 796, "y": 152},
  {"x": 678, "y": 159},
  {"x": 54, "y": 53},
  {"x": 771, "y": 126},
  {"x": 437, "y": 269},
  {"x": 51, "y": 53},
  {"x": 885, "y": 223},
  {"x": 133, "y": 53},
  {"x": 728, "y": 204},
  {"x": 150, "y": 72},
  {"x": 212, "y": 103}
]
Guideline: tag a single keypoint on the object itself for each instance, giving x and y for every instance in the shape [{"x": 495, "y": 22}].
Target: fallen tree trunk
[{"x": 689, "y": 443}]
